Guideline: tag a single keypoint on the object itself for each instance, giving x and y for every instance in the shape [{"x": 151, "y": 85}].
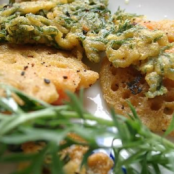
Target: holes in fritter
[
  {"x": 168, "y": 83},
  {"x": 156, "y": 105},
  {"x": 124, "y": 85},
  {"x": 114, "y": 86},
  {"x": 169, "y": 98},
  {"x": 113, "y": 71},
  {"x": 168, "y": 111},
  {"x": 126, "y": 95}
]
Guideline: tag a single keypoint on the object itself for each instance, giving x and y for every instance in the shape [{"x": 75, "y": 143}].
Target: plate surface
[{"x": 154, "y": 10}]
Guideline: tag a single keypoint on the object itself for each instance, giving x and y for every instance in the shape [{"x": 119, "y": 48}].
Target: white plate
[{"x": 153, "y": 9}]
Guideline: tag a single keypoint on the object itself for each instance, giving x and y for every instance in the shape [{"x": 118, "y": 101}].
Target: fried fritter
[
  {"x": 63, "y": 24},
  {"x": 164, "y": 25},
  {"x": 98, "y": 163},
  {"x": 120, "y": 85},
  {"x": 43, "y": 72}
]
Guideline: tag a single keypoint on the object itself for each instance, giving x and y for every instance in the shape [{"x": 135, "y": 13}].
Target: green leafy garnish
[{"x": 52, "y": 125}]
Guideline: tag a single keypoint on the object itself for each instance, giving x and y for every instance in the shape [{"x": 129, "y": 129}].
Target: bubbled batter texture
[{"x": 126, "y": 84}]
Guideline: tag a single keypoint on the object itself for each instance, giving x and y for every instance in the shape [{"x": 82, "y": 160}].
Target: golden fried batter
[
  {"x": 98, "y": 163},
  {"x": 43, "y": 72},
  {"x": 163, "y": 25},
  {"x": 120, "y": 85}
]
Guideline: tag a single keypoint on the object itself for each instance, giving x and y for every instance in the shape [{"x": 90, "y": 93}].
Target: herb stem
[
  {"x": 88, "y": 116},
  {"x": 11, "y": 123},
  {"x": 163, "y": 140}
]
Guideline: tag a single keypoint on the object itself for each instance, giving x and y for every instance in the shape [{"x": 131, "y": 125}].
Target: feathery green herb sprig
[{"x": 52, "y": 124}]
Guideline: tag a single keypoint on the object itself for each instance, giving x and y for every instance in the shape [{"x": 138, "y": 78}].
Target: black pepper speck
[
  {"x": 25, "y": 67},
  {"x": 22, "y": 73},
  {"x": 65, "y": 77},
  {"x": 47, "y": 81}
]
